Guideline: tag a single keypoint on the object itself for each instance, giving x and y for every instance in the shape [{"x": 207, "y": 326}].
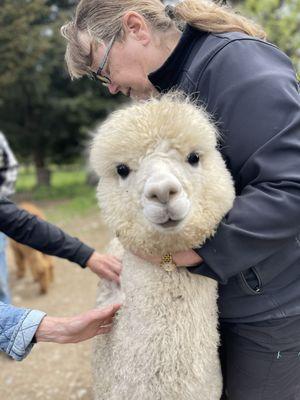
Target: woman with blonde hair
[{"x": 222, "y": 60}]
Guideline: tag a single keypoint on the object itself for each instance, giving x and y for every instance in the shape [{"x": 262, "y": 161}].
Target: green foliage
[
  {"x": 21, "y": 50},
  {"x": 67, "y": 182},
  {"x": 45, "y": 116},
  {"x": 281, "y": 21},
  {"x": 69, "y": 191},
  {"x": 74, "y": 207}
]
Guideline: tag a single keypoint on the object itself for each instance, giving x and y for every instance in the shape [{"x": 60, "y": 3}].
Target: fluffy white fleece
[{"x": 164, "y": 345}]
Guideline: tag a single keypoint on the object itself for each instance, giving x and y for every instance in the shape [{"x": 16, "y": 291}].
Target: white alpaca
[{"x": 163, "y": 188}]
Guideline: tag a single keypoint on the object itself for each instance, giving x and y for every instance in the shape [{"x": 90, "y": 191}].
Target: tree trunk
[
  {"x": 43, "y": 176},
  {"x": 43, "y": 173}
]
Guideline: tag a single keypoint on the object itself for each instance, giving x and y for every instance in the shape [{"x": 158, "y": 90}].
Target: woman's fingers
[
  {"x": 110, "y": 275},
  {"x": 114, "y": 263},
  {"x": 103, "y": 330}
]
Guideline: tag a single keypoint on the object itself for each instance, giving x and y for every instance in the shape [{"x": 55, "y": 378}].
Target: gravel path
[{"x": 52, "y": 371}]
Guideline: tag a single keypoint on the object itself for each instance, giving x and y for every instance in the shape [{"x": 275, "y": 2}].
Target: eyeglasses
[{"x": 105, "y": 80}]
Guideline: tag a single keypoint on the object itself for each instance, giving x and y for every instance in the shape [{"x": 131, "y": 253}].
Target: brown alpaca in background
[{"x": 41, "y": 265}]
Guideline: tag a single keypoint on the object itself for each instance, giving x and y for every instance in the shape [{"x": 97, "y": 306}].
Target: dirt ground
[{"x": 53, "y": 371}]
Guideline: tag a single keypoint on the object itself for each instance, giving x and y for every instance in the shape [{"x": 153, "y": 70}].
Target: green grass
[{"x": 69, "y": 193}]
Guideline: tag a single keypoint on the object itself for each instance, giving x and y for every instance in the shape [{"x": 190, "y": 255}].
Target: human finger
[
  {"x": 116, "y": 267},
  {"x": 103, "y": 330},
  {"x": 104, "y": 314},
  {"x": 113, "y": 264},
  {"x": 107, "y": 321},
  {"x": 110, "y": 275},
  {"x": 115, "y": 258}
]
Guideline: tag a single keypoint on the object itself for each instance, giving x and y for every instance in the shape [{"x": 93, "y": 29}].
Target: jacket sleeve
[
  {"x": 27, "y": 229},
  {"x": 8, "y": 168},
  {"x": 254, "y": 95},
  {"x": 17, "y": 329}
]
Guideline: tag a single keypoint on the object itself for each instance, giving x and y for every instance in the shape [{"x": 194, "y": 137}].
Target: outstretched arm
[
  {"x": 20, "y": 328},
  {"x": 30, "y": 230},
  {"x": 78, "y": 328},
  {"x": 34, "y": 232}
]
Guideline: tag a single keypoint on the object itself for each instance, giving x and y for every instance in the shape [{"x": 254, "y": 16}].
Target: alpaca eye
[
  {"x": 193, "y": 158},
  {"x": 123, "y": 170}
]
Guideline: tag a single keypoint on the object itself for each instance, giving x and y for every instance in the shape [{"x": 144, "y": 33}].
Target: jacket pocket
[{"x": 250, "y": 281}]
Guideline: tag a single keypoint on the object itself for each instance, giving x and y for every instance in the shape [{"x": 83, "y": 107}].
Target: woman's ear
[{"x": 136, "y": 27}]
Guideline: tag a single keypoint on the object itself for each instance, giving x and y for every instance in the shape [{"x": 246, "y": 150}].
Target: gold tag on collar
[{"x": 167, "y": 263}]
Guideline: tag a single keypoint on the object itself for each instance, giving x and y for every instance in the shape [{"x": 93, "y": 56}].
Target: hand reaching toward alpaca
[
  {"x": 105, "y": 266},
  {"x": 77, "y": 328}
]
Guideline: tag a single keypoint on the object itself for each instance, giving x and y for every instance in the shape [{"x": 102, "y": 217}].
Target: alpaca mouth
[{"x": 171, "y": 223}]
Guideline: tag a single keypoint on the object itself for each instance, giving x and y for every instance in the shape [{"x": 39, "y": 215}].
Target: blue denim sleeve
[{"x": 17, "y": 328}]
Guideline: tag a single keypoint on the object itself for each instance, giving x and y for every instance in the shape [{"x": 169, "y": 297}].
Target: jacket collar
[{"x": 167, "y": 76}]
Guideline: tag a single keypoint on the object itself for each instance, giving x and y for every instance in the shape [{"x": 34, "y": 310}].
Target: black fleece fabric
[
  {"x": 250, "y": 88},
  {"x": 28, "y": 229}
]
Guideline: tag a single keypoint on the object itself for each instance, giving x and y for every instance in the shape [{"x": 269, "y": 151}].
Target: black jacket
[
  {"x": 41, "y": 235},
  {"x": 250, "y": 88}
]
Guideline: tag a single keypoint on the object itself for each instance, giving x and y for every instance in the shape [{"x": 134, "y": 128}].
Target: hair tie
[{"x": 170, "y": 11}]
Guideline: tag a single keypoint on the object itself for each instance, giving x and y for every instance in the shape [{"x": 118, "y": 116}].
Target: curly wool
[{"x": 164, "y": 344}]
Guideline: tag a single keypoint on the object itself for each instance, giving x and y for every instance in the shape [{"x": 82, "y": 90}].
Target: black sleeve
[
  {"x": 27, "y": 229},
  {"x": 254, "y": 92}
]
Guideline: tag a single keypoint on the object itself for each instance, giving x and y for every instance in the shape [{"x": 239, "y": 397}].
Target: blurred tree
[{"x": 46, "y": 116}]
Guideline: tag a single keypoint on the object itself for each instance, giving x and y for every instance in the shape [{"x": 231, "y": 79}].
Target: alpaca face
[
  {"x": 165, "y": 195},
  {"x": 164, "y": 201},
  {"x": 163, "y": 185},
  {"x": 158, "y": 190}
]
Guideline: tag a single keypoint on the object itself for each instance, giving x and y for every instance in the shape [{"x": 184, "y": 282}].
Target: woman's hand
[
  {"x": 188, "y": 258},
  {"x": 105, "y": 266},
  {"x": 78, "y": 328}
]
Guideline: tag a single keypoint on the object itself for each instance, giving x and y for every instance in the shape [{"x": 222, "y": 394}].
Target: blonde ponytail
[{"x": 211, "y": 17}]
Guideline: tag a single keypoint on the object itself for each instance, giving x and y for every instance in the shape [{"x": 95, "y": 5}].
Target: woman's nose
[{"x": 113, "y": 88}]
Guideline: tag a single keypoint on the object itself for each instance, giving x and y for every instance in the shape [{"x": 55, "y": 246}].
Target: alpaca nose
[{"x": 162, "y": 188}]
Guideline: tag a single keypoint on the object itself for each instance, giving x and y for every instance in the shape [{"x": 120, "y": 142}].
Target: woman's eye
[
  {"x": 193, "y": 158},
  {"x": 123, "y": 170}
]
